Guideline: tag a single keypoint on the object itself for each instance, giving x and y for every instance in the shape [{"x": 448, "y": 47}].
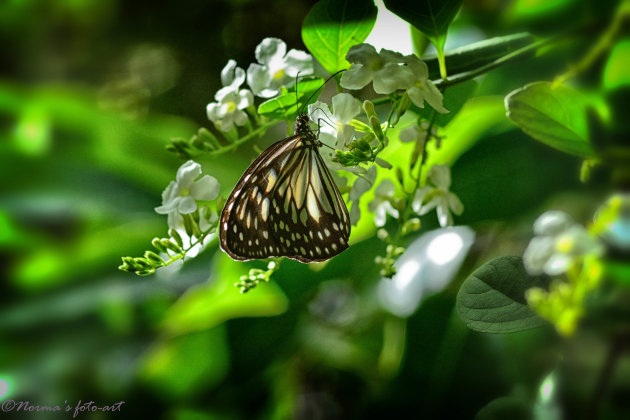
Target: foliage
[{"x": 509, "y": 123}]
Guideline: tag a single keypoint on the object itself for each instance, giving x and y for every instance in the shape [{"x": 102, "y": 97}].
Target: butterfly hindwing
[{"x": 286, "y": 204}]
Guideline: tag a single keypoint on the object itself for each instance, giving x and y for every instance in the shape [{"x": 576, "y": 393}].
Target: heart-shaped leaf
[
  {"x": 492, "y": 299},
  {"x": 555, "y": 116},
  {"x": 333, "y": 26}
]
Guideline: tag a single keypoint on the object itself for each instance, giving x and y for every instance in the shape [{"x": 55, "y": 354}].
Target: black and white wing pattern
[{"x": 286, "y": 204}]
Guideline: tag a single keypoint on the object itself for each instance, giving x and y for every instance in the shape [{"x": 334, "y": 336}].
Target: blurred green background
[{"x": 91, "y": 91}]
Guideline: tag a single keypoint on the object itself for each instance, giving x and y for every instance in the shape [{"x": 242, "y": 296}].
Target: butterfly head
[{"x": 301, "y": 125}]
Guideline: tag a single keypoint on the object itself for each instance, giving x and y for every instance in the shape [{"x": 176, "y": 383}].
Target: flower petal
[
  {"x": 232, "y": 75},
  {"x": 454, "y": 203},
  {"x": 345, "y": 107},
  {"x": 391, "y": 78},
  {"x": 440, "y": 176},
  {"x": 206, "y": 188},
  {"x": 409, "y": 134},
  {"x": 270, "y": 49},
  {"x": 168, "y": 207},
  {"x": 239, "y": 117},
  {"x": 187, "y": 173},
  {"x": 245, "y": 99},
  {"x": 418, "y": 198},
  {"x": 552, "y": 222},
  {"x": 363, "y": 54},
  {"x": 385, "y": 188},
  {"x": 187, "y": 205},
  {"x": 258, "y": 79},
  {"x": 434, "y": 97},
  {"x": 357, "y": 77},
  {"x": 444, "y": 215},
  {"x": 416, "y": 96},
  {"x": 298, "y": 61},
  {"x": 537, "y": 253}
]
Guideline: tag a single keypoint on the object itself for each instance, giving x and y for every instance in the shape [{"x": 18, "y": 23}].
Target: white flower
[
  {"x": 277, "y": 68},
  {"x": 207, "y": 222},
  {"x": 232, "y": 75},
  {"x": 416, "y": 132},
  {"x": 334, "y": 127},
  {"x": 422, "y": 89},
  {"x": 381, "y": 205},
  {"x": 361, "y": 185},
  {"x": 384, "y": 69},
  {"x": 438, "y": 196},
  {"x": 228, "y": 110},
  {"x": 181, "y": 195},
  {"x": 558, "y": 244}
]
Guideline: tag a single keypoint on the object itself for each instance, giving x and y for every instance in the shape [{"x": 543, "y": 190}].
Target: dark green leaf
[
  {"x": 479, "y": 54},
  {"x": 285, "y": 107},
  {"x": 554, "y": 116},
  {"x": 333, "y": 26},
  {"x": 492, "y": 299},
  {"x": 432, "y": 17}
]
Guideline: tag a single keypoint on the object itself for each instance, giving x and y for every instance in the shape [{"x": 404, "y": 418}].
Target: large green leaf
[
  {"x": 333, "y": 26},
  {"x": 492, "y": 299},
  {"x": 432, "y": 17},
  {"x": 555, "y": 116},
  {"x": 616, "y": 72},
  {"x": 288, "y": 104},
  {"x": 210, "y": 304}
]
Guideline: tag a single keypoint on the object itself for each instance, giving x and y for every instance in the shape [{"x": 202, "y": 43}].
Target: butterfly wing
[{"x": 285, "y": 204}]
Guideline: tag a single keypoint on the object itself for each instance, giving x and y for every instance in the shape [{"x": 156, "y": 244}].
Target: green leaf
[
  {"x": 478, "y": 54},
  {"x": 285, "y": 107},
  {"x": 454, "y": 99},
  {"x": 432, "y": 17},
  {"x": 616, "y": 71},
  {"x": 210, "y": 304},
  {"x": 492, "y": 299},
  {"x": 333, "y": 26},
  {"x": 555, "y": 116},
  {"x": 177, "y": 368}
]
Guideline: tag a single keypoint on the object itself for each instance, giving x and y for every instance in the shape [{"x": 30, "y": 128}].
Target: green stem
[
  {"x": 394, "y": 333},
  {"x": 508, "y": 58},
  {"x": 256, "y": 133},
  {"x": 192, "y": 244},
  {"x": 442, "y": 63},
  {"x": 603, "y": 44},
  {"x": 407, "y": 210}
]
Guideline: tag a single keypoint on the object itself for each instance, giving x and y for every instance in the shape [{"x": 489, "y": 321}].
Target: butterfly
[{"x": 286, "y": 204}]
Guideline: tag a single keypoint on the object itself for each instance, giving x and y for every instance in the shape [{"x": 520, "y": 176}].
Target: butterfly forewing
[{"x": 286, "y": 204}]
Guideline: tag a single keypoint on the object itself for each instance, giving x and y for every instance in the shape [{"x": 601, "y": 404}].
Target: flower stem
[{"x": 603, "y": 44}]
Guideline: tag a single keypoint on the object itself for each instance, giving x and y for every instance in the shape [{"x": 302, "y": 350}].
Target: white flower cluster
[
  {"x": 181, "y": 197},
  {"x": 390, "y": 71},
  {"x": 559, "y": 243},
  {"x": 275, "y": 69},
  {"x": 434, "y": 195}
]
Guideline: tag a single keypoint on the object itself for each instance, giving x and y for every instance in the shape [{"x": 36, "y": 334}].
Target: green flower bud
[
  {"x": 154, "y": 258},
  {"x": 376, "y": 127},
  {"x": 411, "y": 225},
  {"x": 368, "y": 107}
]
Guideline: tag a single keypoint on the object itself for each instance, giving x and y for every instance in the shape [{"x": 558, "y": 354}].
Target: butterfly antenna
[
  {"x": 318, "y": 89},
  {"x": 296, "y": 90}
]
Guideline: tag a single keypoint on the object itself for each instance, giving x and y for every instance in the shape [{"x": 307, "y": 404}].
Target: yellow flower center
[
  {"x": 278, "y": 74},
  {"x": 185, "y": 192},
  {"x": 565, "y": 245},
  {"x": 231, "y": 107}
]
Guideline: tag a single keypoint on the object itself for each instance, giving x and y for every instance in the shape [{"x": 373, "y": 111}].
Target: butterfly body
[{"x": 286, "y": 204}]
